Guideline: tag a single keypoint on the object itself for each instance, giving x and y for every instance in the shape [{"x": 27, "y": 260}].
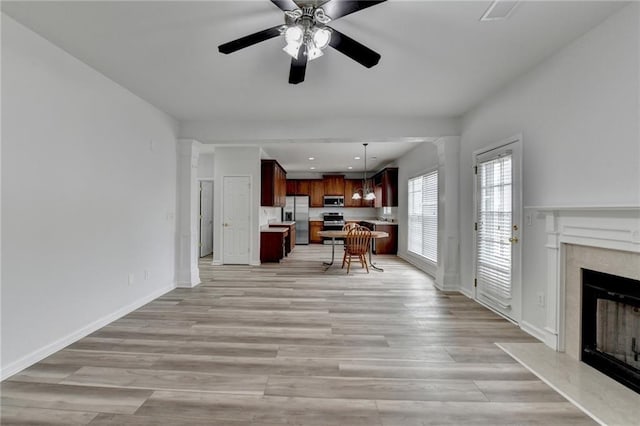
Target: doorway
[
  {"x": 497, "y": 227},
  {"x": 236, "y": 220},
  {"x": 206, "y": 218}
]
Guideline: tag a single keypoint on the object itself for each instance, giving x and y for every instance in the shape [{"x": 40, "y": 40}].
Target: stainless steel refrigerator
[{"x": 297, "y": 209}]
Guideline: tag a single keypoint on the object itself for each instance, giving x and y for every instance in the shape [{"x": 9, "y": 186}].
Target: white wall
[
  {"x": 205, "y": 166},
  {"x": 241, "y": 161},
  {"x": 88, "y": 197},
  {"x": 578, "y": 113}
]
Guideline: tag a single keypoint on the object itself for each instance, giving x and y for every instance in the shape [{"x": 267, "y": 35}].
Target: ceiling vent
[{"x": 499, "y": 10}]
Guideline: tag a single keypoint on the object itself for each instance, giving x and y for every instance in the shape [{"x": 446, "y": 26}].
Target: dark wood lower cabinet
[
  {"x": 387, "y": 245},
  {"x": 290, "y": 239},
  {"x": 272, "y": 244},
  {"x": 315, "y": 226}
]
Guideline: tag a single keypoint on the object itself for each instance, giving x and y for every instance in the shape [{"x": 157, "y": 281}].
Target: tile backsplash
[{"x": 270, "y": 214}]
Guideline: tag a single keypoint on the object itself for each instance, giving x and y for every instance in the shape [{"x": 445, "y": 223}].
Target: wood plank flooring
[{"x": 291, "y": 343}]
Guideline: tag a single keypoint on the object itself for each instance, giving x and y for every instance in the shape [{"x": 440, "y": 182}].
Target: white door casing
[
  {"x": 206, "y": 218},
  {"x": 236, "y": 220},
  {"x": 498, "y": 219}
]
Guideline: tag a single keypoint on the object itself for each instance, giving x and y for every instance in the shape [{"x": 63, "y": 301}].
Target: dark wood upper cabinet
[
  {"x": 274, "y": 184},
  {"x": 333, "y": 184},
  {"x": 292, "y": 187},
  {"x": 304, "y": 187},
  {"x": 384, "y": 184},
  {"x": 351, "y": 186},
  {"x": 386, "y": 187},
  {"x": 316, "y": 193}
]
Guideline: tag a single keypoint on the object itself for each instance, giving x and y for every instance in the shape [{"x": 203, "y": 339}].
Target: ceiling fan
[{"x": 307, "y": 34}]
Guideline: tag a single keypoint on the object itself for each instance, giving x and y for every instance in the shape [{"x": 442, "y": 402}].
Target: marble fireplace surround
[{"x": 605, "y": 239}]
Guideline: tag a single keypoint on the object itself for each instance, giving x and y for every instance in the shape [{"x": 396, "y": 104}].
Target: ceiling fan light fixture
[
  {"x": 294, "y": 34},
  {"x": 313, "y": 51},
  {"x": 321, "y": 37},
  {"x": 292, "y": 50},
  {"x": 320, "y": 16}
]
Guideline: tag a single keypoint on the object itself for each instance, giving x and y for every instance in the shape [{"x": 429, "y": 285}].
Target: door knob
[
  {"x": 226, "y": 224},
  {"x": 513, "y": 240}
]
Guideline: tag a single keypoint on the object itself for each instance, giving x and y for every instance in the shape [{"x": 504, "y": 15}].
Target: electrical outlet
[
  {"x": 130, "y": 279},
  {"x": 146, "y": 274},
  {"x": 541, "y": 300}
]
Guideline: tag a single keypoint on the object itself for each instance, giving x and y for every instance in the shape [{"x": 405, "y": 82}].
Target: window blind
[
  {"x": 423, "y": 216},
  {"x": 493, "y": 268}
]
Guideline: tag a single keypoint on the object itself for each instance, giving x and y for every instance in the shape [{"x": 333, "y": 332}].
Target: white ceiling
[
  {"x": 438, "y": 59},
  {"x": 332, "y": 157}
]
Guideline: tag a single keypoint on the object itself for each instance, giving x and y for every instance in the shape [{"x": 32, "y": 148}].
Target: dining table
[{"x": 333, "y": 234}]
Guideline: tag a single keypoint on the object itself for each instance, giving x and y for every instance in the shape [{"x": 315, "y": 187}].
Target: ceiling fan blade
[
  {"x": 249, "y": 40},
  {"x": 356, "y": 51},
  {"x": 335, "y": 9},
  {"x": 285, "y": 5},
  {"x": 298, "y": 66}
]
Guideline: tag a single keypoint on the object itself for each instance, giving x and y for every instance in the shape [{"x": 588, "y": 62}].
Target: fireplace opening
[{"x": 611, "y": 326}]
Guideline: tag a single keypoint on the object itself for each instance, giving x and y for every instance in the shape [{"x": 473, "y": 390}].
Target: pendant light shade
[{"x": 367, "y": 193}]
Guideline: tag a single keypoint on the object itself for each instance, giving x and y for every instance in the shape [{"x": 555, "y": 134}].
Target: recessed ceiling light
[
  {"x": 356, "y": 158},
  {"x": 349, "y": 167},
  {"x": 312, "y": 168},
  {"x": 312, "y": 158}
]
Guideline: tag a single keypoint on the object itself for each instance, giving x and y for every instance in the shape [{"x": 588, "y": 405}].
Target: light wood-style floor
[{"x": 290, "y": 343}]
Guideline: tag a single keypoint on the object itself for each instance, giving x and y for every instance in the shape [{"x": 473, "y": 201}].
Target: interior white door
[
  {"x": 206, "y": 218},
  {"x": 236, "y": 220},
  {"x": 498, "y": 213}
]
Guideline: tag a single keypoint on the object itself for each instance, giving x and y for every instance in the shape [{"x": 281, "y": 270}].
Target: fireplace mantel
[{"x": 607, "y": 227}]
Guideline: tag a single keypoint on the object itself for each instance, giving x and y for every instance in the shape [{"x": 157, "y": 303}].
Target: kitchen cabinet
[
  {"x": 292, "y": 187},
  {"x": 290, "y": 238},
  {"x": 274, "y": 184},
  {"x": 387, "y": 245},
  {"x": 272, "y": 244},
  {"x": 316, "y": 193},
  {"x": 386, "y": 187},
  {"x": 298, "y": 187},
  {"x": 303, "y": 187},
  {"x": 315, "y": 226},
  {"x": 351, "y": 186},
  {"x": 333, "y": 184}
]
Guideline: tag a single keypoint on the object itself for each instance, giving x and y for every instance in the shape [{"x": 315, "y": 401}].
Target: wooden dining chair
[{"x": 357, "y": 243}]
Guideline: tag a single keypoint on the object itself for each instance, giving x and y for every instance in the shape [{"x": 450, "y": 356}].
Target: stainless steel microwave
[{"x": 334, "y": 201}]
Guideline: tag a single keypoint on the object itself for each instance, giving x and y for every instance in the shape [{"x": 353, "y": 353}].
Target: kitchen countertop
[
  {"x": 378, "y": 222},
  {"x": 284, "y": 223},
  {"x": 273, "y": 229},
  {"x": 349, "y": 219}
]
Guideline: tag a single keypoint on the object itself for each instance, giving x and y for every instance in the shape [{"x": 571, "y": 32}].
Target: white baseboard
[
  {"x": 420, "y": 265},
  {"x": 42, "y": 353},
  {"x": 467, "y": 292},
  {"x": 531, "y": 329}
]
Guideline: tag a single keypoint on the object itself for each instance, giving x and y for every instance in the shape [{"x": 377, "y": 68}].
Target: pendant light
[{"x": 367, "y": 193}]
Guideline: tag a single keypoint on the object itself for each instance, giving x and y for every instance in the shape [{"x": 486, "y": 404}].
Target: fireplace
[{"x": 611, "y": 326}]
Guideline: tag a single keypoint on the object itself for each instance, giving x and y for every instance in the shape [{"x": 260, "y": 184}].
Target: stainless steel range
[{"x": 332, "y": 222}]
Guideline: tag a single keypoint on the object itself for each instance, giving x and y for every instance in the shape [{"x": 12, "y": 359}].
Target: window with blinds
[
  {"x": 423, "y": 216},
  {"x": 493, "y": 264}
]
